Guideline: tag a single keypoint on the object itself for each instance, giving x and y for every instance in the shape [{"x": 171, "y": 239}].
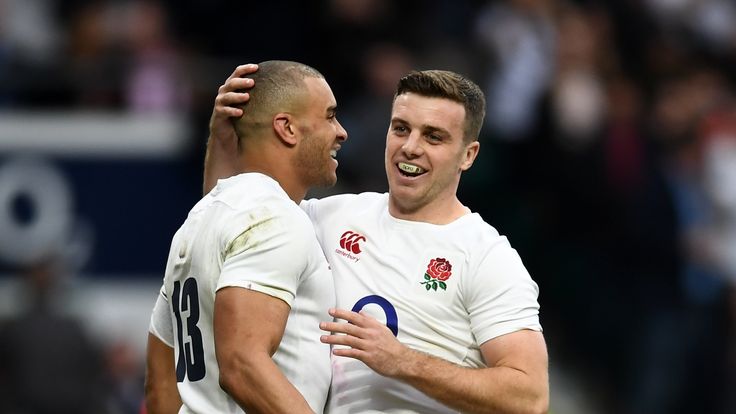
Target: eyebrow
[
  {"x": 442, "y": 131},
  {"x": 425, "y": 128}
]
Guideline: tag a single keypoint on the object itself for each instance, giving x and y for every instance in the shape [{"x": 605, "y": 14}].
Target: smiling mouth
[{"x": 410, "y": 170}]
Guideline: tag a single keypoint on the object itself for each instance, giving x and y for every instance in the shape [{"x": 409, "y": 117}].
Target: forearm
[
  {"x": 162, "y": 399},
  {"x": 220, "y": 161},
  {"x": 259, "y": 386},
  {"x": 161, "y": 392},
  {"x": 482, "y": 390}
]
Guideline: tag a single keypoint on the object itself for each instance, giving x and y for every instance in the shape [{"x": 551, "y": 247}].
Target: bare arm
[
  {"x": 516, "y": 380},
  {"x": 248, "y": 329},
  {"x": 222, "y": 144},
  {"x": 162, "y": 395}
]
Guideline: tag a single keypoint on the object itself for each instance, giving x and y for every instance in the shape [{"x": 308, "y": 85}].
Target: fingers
[
  {"x": 345, "y": 340},
  {"x": 343, "y": 328},
  {"x": 243, "y": 70},
  {"x": 236, "y": 84},
  {"x": 231, "y": 94},
  {"x": 350, "y": 353},
  {"x": 226, "y": 103},
  {"x": 347, "y": 315}
]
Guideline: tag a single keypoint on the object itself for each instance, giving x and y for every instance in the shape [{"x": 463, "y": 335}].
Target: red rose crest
[{"x": 438, "y": 271}]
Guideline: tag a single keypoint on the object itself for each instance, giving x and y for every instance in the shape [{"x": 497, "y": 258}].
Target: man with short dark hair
[{"x": 235, "y": 327}]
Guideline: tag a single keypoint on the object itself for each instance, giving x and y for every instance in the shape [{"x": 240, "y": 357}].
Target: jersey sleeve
[
  {"x": 269, "y": 256},
  {"x": 161, "y": 325},
  {"x": 502, "y": 297},
  {"x": 310, "y": 207}
]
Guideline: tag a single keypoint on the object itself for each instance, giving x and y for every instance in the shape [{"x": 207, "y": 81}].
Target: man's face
[
  {"x": 322, "y": 135},
  {"x": 425, "y": 151}
]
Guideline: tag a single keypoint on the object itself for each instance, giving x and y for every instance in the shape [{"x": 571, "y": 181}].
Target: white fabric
[
  {"x": 161, "y": 325},
  {"x": 247, "y": 233},
  {"x": 488, "y": 293}
]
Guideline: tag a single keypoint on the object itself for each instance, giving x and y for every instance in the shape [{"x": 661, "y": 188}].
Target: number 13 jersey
[{"x": 246, "y": 233}]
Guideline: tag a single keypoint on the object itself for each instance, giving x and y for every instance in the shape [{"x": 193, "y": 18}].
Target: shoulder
[
  {"x": 251, "y": 201},
  {"x": 344, "y": 202},
  {"x": 489, "y": 251},
  {"x": 478, "y": 234}
]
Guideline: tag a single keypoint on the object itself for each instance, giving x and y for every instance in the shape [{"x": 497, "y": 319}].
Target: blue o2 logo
[{"x": 392, "y": 320}]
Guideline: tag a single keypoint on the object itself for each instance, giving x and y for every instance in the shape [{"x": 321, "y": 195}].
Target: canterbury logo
[{"x": 350, "y": 241}]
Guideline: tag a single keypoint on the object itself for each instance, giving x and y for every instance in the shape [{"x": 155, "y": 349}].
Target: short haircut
[
  {"x": 279, "y": 87},
  {"x": 452, "y": 86}
]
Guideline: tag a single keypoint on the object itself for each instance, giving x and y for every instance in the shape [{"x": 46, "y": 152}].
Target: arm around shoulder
[{"x": 221, "y": 159}]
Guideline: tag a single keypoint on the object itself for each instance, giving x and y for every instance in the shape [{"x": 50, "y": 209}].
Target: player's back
[{"x": 247, "y": 233}]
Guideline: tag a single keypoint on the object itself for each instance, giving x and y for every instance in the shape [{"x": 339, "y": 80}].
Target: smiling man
[
  {"x": 441, "y": 314},
  {"x": 235, "y": 327}
]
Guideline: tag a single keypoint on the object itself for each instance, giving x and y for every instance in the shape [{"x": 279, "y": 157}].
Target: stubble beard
[{"x": 314, "y": 169}]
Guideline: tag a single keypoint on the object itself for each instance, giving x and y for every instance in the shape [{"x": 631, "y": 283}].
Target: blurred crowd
[{"x": 608, "y": 154}]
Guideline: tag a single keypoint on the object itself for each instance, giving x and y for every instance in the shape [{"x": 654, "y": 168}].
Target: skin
[
  {"x": 248, "y": 329},
  {"x": 162, "y": 395},
  {"x": 515, "y": 381},
  {"x": 428, "y": 133},
  {"x": 322, "y": 135},
  {"x": 249, "y": 325}
]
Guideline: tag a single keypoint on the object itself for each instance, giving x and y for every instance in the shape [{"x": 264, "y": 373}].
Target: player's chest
[{"x": 397, "y": 271}]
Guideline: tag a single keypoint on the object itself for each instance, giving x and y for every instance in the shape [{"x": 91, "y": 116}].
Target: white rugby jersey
[
  {"x": 442, "y": 289},
  {"x": 245, "y": 233}
]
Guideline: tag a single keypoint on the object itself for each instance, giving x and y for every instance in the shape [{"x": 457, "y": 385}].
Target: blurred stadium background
[{"x": 608, "y": 158}]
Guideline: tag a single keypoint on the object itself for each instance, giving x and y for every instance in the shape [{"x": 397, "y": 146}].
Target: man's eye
[
  {"x": 399, "y": 128},
  {"x": 433, "y": 137}
]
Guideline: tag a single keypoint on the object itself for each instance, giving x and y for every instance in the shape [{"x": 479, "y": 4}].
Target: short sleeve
[
  {"x": 310, "y": 207},
  {"x": 270, "y": 257},
  {"x": 161, "y": 325},
  {"x": 502, "y": 297}
]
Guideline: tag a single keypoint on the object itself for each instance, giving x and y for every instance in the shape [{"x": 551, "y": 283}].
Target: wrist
[{"x": 408, "y": 363}]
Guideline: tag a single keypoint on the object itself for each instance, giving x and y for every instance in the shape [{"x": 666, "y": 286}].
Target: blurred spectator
[
  {"x": 520, "y": 35},
  {"x": 30, "y": 31},
  {"x": 95, "y": 62},
  {"x": 578, "y": 98},
  {"x": 366, "y": 117},
  {"x": 155, "y": 82},
  {"x": 48, "y": 364},
  {"x": 124, "y": 370},
  {"x": 30, "y": 44}
]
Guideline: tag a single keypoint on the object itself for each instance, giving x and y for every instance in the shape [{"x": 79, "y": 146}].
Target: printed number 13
[{"x": 191, "y": 358}]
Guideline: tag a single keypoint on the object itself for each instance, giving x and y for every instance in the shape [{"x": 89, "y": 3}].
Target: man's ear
[
  {"x": 471, "y": 152},
  {"x": 283, "y": 125}
]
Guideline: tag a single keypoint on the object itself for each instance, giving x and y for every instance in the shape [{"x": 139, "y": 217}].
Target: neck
[
  {"x": 439, "y": 211},
  {"x": 277, "y": 165}
]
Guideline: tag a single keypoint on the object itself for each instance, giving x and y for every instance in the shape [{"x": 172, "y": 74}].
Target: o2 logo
[{"x": 392, "y": 319}]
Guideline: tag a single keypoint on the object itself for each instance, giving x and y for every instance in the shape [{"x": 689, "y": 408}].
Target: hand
[
  {"x": 368, "y": 340},
  {"x": 228, "y": 96}
]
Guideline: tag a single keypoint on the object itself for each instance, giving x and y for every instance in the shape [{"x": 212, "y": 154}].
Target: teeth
[
  {"x": 411, "y": 169},
  {"x": 333, "y": 153}
]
